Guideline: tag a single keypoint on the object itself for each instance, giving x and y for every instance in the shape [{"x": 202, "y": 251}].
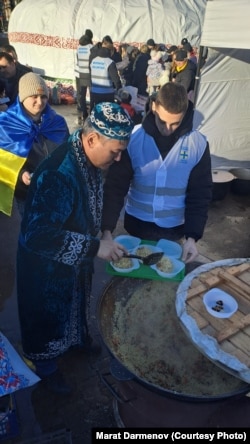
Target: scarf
[
  {"x": 181, "y": 68},
  {"x": 17, "y": 134}
]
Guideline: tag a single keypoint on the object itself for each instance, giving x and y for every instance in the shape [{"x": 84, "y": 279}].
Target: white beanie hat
[{"x": 32, "y": 84}]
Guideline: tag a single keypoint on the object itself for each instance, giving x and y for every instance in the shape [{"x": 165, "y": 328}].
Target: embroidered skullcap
[{"x": 111, "y": 120}]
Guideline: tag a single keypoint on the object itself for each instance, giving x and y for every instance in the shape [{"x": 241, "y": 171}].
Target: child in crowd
[
  {"x": 125, "y": 102},
  {"x": 154, "y": 71},
  {"x": 124, "y": 99}
]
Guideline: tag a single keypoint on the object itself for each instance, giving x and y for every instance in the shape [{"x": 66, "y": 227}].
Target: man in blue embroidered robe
[{"x": 59, "y": 240}]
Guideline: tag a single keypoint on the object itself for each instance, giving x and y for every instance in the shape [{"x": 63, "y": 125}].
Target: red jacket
[{"x": 128, "y": 108}]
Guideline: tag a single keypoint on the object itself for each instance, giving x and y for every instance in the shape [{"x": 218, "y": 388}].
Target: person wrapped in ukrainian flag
[{"x": 29, "y": 131}]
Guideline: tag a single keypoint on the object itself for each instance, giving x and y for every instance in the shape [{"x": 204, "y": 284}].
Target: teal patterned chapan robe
[{"x": 57, "y": 245}]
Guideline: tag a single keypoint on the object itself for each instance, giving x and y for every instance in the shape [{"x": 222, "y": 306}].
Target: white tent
[
  {"x": 45, "y": 33},
  {"x": 223, "y": 94}
]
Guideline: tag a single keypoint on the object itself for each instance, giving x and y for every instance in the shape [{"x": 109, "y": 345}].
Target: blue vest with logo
[
  {"x": 82, "y": 65},
  {"x": 158, "y": 190},
  {"x": 100, "y": 80}
]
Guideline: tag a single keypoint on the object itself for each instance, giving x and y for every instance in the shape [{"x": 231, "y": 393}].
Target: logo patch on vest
[{"x": 183, "y": 157}]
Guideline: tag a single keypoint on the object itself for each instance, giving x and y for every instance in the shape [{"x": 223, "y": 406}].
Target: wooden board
[
  {"x": 232, "y": 335},
  {"x": 233, "y": 281}
]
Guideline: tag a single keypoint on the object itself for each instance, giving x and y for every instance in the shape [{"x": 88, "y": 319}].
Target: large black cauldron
[{"x": 140, "y": 403}]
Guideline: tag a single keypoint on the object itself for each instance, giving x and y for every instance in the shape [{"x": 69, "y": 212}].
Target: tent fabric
[
  {"x": 222, "y": 107},
  {"x": 45, "y": 33},
  {"x": 226, "y": 24}
]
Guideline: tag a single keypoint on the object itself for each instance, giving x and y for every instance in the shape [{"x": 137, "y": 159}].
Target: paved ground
[{"x": 91, "y": 404}]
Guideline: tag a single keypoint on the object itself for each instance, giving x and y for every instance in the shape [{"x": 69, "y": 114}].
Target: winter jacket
[
  {"x": 187, "y": 76},
  {"x": 154, "y": 72},
  {"x": 139, "y": 73}
]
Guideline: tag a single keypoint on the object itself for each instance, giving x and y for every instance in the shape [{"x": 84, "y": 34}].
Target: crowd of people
[
  {"x": 146, "y": 68},
  {"x": 101, "y": 70},
  {"x": 160, "y": 168}
]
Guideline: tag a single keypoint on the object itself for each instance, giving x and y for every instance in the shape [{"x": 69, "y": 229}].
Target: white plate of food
[
  {"x": 219, "y": 303},
  {"x": 144, "y": 250},
  {"x": 170, "y": 248},
  {"x": 129, "y": 242},
  {"x": 125, "y": 265},
  {"x": 168, "y": 267}
]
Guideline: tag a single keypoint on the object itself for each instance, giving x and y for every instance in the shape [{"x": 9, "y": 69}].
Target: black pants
[
  {"x": 81, "y": 98},
  {"x": 98, "y": 98}
]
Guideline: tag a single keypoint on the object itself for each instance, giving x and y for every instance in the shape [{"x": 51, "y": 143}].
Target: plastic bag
[{"x": 14, "y": 373}]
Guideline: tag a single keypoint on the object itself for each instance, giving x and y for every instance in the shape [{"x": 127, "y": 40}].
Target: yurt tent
[
  {"x": 223, "y": 95},
  {"x": 45, "y": 33}
]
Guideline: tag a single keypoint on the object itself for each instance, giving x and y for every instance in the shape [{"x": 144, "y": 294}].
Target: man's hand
[
  {"x": 109, "y": 249},
  {"x": 190, "y": 251},
  {"x": 26, "y": 177}
]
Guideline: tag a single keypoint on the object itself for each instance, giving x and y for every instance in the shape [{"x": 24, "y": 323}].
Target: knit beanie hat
[
  {"x": 89, "y": 33},
  {"x": 150, "y": 42},
  {"x": 124, "y": 96},
  {"x": 187, "y": 47},
  {"x": 32, "y": 84},
  {"x": 180, "y": 55}
]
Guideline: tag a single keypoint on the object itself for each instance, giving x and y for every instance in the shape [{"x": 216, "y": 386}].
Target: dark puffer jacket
[
  {"x": 187, "y": 76},
  {"x": 139, "y": 73}
]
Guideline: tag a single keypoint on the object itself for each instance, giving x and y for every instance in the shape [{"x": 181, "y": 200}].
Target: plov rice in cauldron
[{"x": 148, "y": 340}]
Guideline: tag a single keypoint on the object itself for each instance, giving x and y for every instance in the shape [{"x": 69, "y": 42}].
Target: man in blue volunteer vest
[
  {"x": 165, "y": 175},
  {"x": 82, "y": 72},
  {"x": 105, "y": 80}
]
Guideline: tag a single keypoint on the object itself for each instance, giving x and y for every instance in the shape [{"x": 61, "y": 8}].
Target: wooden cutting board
[{"x": 232, "y": 335}]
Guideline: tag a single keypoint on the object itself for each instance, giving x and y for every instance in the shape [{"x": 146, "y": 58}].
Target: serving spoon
[{"x": 151, "y": 259}]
